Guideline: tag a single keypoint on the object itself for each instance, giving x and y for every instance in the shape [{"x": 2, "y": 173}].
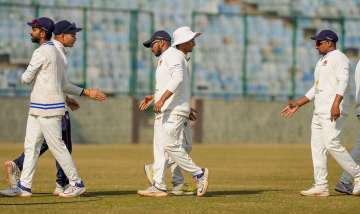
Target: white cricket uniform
[
  {"x": 172, "y": 131},
  {"x": 330, "y": 78},
  {"x": 47, "y": 106},
  {"x": 355, "y": 153}
]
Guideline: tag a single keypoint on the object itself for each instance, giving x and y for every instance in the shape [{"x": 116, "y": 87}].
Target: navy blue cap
[
  {"x": 65, "y": 26},
  {"x": 326, "y": 35},
  {"x": 43, "y": 23},
  {"x": 158, "y": 35}
]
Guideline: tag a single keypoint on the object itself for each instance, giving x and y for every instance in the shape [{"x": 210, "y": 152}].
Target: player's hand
[
  {"x": 72, "y": 103},
  {"x": 290, "y": 109},
  {"x": 192, "y": 115},
  {"x": 95, "y": 94},
  {"x": 158, "y": 105},
  {"x": 335, "y": 112},
  {"x": 146, "y": 102}
]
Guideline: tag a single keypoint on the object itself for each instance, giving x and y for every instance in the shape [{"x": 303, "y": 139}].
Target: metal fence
[
  {"x": 267, "y": 57},
  {"x": 263, "y": 56},
  {"x": 107, "y": 55}
]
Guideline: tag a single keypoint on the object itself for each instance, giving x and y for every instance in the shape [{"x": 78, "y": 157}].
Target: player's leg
[
  {"x": 158, "y": 187},
  {"x": 319, "y": 159},
  {"x": 32, "y": 145},
  {"x": 51, "y": 127},
  {"x": 174, "y": 131},
  {"x": 339, "y": 152},
  {"x": 179, "y": 185},
  {"x": 345, "y": 183},
  {"x": 61, "y": 180},
  {"x": 13, "y": 168}
]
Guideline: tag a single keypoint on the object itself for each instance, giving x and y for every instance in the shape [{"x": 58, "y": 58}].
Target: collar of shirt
[
  {"x": 48, "y": 43},
  {"x": 187, "y": 58},
  {"x": 328, "y": 54},
  {"x": 60, "y": 46}
]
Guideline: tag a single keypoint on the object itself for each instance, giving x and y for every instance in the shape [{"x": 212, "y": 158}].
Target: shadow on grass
[
  {"x": 68, "y": 201},
  {"x": 238, "y": 192},
  {"x": 109, "y": 193},
  {"x": 87, "y": 197}
]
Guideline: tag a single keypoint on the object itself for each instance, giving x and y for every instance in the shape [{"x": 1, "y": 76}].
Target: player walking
[{"x": 330, "y": 99}]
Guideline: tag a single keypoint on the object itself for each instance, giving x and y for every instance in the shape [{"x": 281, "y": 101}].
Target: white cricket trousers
[
  {"x": 172, "y": 145},
  {"x": 325, "y": 138},
  {"x": 37, "y": 129},
  {"x": 355, "y": 154}
]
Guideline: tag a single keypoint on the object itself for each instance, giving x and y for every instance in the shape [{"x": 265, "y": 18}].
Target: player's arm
[
  {"x": 293, "y": 106},
  {"x": 73, "y": 89},
  {"x": 192, "y": 115},
  {"x": 161, "y": 101},
  {"x": 342, "y": 77},
  {"x": 177, "y": 77},
  {"x": 72, "y": 103},
  {"x": 146, "y": 102},
  {"x": 357, "y": 89},
  {"x": 94, "y": 94},
  {"x": 70, "y": 88},
  {"x": 37, "y": 60}
]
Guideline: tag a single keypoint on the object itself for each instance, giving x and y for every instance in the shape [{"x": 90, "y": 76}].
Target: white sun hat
[{"x": 184, "y": 34}]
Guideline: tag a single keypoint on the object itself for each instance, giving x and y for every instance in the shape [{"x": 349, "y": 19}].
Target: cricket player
[
  {"x": 65, "y": 37},
  {"x": 345, "y": 183},
  {"x": 172, "y": 133},
  {"x": 179, "y": 186},
  {"x": 330, "y": 96},
  {"x": 47, "y": 106}
]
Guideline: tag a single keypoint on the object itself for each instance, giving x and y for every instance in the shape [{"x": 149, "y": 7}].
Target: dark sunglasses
[
  {"x": 318, "y": 43},
  {"x": 154, "y": 42}
]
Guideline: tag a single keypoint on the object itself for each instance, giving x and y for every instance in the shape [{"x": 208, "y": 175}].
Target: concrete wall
[
  {"x": 235, "y": 121},
  {"x": 94, "y": 122},
  {"x": 260, "y": 122}
]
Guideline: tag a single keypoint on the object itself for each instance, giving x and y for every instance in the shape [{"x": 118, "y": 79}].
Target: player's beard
[
  {"x": 35, "y": 39},
  {"x": 158, "y": 52}
]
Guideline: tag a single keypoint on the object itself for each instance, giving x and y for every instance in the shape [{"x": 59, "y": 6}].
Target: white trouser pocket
[{"x": 172, "y": 125}]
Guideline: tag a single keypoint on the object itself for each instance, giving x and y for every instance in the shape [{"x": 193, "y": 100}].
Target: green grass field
[{"x": 251, "y": 178}]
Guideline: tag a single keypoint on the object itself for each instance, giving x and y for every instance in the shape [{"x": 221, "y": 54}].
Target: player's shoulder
[
  {"x": 337, "y": 55},
  {"x": 173, "y": 54}
]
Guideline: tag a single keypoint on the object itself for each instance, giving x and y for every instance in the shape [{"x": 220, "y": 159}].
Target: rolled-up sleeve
[
  {"x": 342, "y": 75},
  {"x": 37, "y": 60},
  {"x": 176, "y": 68},
  {"x": 311, "y": 93}
]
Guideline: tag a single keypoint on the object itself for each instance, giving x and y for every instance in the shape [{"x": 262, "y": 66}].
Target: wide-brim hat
[{"x": 183, "y": 35}]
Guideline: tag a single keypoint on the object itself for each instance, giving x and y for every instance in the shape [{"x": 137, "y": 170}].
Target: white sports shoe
[
  {"x": 16, "y": 191},
  {"x": 73, "y": 191},
  {"x": 183, "y": 189},
  {"x": 12, "y": 173},
  {"x": 149, "y": 172},
  {"x": 320, "y": 191},
  {"x": 356, "y": 190},
  {"x": 152, "y": 192},
  {"x": 203, "y": 183},
  {"x": 59, "y": 189}
]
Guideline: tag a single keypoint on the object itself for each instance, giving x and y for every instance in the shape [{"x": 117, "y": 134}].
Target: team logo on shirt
[
  {"x": 160, "y": 61},
  {"x": 324, "y": 63}
]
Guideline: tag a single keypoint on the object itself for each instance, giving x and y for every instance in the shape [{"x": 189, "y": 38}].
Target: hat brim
[
  {"x": 186, "y": 39},
  {"x": 147, "y": 44},
  {"x": 37, "y": 26}
]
